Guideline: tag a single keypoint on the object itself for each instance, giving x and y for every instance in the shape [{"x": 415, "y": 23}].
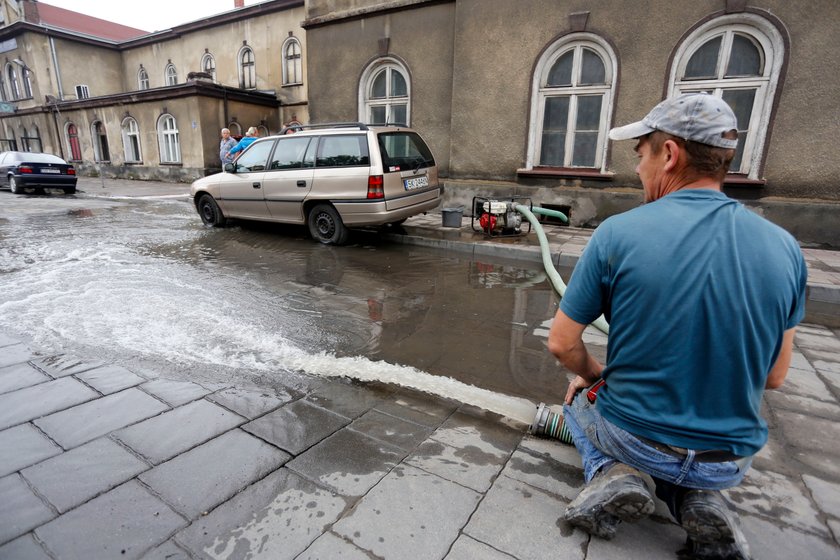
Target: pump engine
[{"x": 498, "y": 217}]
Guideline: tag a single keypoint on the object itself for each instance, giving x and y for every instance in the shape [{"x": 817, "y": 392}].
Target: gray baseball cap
[{"x": 699, "y": 117}]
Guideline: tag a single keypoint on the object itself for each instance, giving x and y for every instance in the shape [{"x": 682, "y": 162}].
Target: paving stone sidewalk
[{"x": 97, "y": 461}]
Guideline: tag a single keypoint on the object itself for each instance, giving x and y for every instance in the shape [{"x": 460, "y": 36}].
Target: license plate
[
  {"x": 416, "y": 183},
  {"x": 50, "y": 170}
]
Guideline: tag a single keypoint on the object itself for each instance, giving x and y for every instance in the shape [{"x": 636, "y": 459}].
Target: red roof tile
[{"x": 89, "y": 25}]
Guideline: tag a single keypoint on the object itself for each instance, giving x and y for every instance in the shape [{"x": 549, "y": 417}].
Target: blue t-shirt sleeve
[
  {"x": 584, "y": 299},
  {"x": 798, "y": 308}
]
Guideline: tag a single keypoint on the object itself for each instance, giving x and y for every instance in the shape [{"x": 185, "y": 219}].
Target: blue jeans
[{"x": 601, "y": 443}]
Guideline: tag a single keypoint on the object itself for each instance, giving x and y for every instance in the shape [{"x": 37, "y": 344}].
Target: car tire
[
  {"x": 325, "y": 225},
  {"x": 210, "y": 212},
  {"x": 14, "y": 187},
  {"x": 70, "y": 190}
]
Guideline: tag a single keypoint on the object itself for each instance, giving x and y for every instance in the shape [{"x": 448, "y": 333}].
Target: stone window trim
[
  {"x": 295, "y": 60},
  {"x": 370, "y": 72},
  {"x": 169, "y": 143},
  {"x": 208, "y": 64},
  {"x": 142, "y": 78},
  {"x": 768, "y": 31},
  {"x": 170, "y": 75},
  {"x": 553, "y": 51},
  {"x": 247, "y": 68},
  {"x": 565, "y": 172},
  {"x": 130, "y": 131}
]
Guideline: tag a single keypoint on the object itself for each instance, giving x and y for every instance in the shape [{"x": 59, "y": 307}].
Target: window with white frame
[
  {"x": 131, "y": 140},
  {"x": 170, "y": 75},
  {"x": 170, "y": 145},
  {"x": 72, "y": 136},
  {"x": 571, "y": 104},
  {"x": 101, "y": 153},
  {"x": 208, "y": 64},
  {"x": 3, "y": 94},
  {"x": 142, "y": 78},
  {"x": 27, "y": 82},
  {"x": 292, "y": 62},
  {"x": 14, "y": 85},
  {"x": 247, "y": 69},
  {"x": 385, "y": 93},
  {"x": 82, "y": 91},
  {"x": 738, "y": 57}
]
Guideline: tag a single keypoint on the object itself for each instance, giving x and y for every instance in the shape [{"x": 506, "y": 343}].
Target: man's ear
[{"x": 670, "y": 154}]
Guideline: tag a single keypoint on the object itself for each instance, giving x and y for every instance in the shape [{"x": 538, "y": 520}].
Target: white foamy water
[{"x": 108, "y": 296}]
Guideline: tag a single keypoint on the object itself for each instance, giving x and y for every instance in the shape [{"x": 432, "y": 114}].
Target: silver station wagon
[{"x": 330, "y": 177}]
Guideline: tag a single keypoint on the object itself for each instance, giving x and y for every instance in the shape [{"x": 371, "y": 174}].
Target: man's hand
[{"x": 577, "y": 385}]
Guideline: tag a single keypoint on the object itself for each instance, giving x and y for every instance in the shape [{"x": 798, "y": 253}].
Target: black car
[{"x": 19, "y": 170}]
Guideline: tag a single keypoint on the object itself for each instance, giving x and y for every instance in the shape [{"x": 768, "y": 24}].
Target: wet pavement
[{"x": 99, "y": 461}]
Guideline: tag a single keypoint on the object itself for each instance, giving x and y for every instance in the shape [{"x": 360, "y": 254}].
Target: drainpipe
[{"x": 57, "y": 70}]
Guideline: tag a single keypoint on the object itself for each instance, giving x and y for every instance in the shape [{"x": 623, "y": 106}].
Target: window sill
[
  {"x": 172, "y": 163},
  {"x": 133, "y": 163},
  {"x": 565, "y": 172},
  {"x": 735, "y": 180},
  {"x": 297, "y": 84}
]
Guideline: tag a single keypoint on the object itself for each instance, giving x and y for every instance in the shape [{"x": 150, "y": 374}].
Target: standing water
[{"x": 144, "y": 285}]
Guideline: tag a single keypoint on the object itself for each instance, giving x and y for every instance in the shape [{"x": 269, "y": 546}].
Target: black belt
[{"x": 706, "y": 456}]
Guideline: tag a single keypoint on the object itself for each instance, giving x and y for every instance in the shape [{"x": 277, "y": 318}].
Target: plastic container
[{"x": 452, "y": 216}]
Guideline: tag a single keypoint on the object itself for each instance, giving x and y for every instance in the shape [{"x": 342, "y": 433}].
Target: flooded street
[{"x": 141, "y": 283}]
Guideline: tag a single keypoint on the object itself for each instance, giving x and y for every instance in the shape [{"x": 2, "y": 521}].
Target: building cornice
[
  {"x": 19, "y": 27},
  {"x": 168, "y": 93},
  {"x": 362, "y": 12}
]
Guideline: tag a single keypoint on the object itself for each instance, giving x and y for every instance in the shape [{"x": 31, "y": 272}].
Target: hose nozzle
[{"x": 550, "y": 424}]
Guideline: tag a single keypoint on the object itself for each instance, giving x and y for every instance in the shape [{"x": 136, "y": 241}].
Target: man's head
[
  {"x": 225, "y": 132},
  {"x": 684, "y": 140},
  {"x": 251, "y": 131}
]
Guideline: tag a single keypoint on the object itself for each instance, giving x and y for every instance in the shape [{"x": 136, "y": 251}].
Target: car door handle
[
  {"x": 301, "y": 183},
  {"x": 255, "y": 185}
]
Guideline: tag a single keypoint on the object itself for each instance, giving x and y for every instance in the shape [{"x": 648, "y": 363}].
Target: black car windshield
[{"x": 404, "y": 150}]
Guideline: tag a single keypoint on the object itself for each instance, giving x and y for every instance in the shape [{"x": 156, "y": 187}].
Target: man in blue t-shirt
[{"x": 702, "y": 296}]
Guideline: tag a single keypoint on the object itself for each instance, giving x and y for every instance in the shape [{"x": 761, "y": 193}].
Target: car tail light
[
  {"x": 376, "y": 187},
  {"x": 71, "y": 170},
  {"x": 25, "y": 169}
]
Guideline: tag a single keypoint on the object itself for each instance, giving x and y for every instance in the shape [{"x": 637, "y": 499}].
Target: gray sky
[{"x": 149, "y": 15}]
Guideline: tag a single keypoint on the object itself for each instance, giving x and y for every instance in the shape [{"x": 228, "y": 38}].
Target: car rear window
[
  {"x": 404, "y": 150},
  {"x": 39, "y": 158},
  {"x": 343, "y": 151}
]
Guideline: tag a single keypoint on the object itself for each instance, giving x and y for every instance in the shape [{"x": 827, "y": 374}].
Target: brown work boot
[
  {"x": 713, "y": 527},
  {"x": 617, "y": 493}
]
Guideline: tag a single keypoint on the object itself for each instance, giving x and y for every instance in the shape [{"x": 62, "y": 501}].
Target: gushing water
[{"x": 111, "y": 287}]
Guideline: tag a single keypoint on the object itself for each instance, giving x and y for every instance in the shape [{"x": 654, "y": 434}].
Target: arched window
[
  {"x": 385, "y": 93},
  {"x": 27, "y": 82},
  {"x": 31, "y": 139},
  {"x": 14, "y": 86},
  {"x": 247, "y": 69},
  {"x": 100, "y": 142},
  {"x": 208, "y": 64},
  {"x": 235, "y": 129},
  {"x": 292, "y": 62},
  {"x": 131, "y": 140},
  {"x": 262, "y": 131},
  {"x": 142, "y": 78},
  {"x": 738, "y": 57},
  {"x": 74, "y": 148},
  {"x": 3, "y": 95},
  {"x": 170, "y": 146},
  {"x": 571, "y": 103},
  {"x": 171, "y": 75}
]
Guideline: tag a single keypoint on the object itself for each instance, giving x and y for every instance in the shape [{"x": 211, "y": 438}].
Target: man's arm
[
  {"x": 566, "y": 343},
  {"x": 780, "y": 368}
]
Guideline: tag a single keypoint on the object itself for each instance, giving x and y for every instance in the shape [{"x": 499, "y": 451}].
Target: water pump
[{"x": 498, "y": 218}]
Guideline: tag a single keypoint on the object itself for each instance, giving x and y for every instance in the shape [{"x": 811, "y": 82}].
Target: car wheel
[
  {"x": 210, "y": 212},
  {"x": 325, "y": 225},
  {"x": 14, "y": 187},
  {"x": 70, "y": 190}
]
